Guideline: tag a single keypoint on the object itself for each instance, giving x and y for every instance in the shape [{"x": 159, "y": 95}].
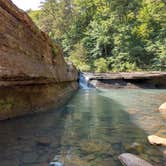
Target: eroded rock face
[
  {"x": 33, "y": 73},
  {"x": 26, "y": 53},
  {"x": 20, "y": 100}
]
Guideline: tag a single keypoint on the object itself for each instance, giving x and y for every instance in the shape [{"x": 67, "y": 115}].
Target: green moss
[
  {"x": 94, "y": 147},
  {"x": 54, "y": 52},
  {"x": 6, "y": 104}
]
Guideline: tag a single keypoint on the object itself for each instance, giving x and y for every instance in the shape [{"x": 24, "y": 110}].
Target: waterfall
[
  {"x": 56, "y": 164},
  {"x": 84, "y": 81}
]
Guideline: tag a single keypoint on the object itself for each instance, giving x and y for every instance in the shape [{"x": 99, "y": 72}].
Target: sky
[{"x": 27, "y": 4}]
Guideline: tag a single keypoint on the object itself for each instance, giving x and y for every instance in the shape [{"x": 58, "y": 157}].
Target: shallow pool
[{"x": 92, "y": 129}]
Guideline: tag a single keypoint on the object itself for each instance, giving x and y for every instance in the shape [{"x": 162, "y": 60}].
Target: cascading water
[
  {"x": 84, "y": 84},
  {"x": 83, "y": 81}
]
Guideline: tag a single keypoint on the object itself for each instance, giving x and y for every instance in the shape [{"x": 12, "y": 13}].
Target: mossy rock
[
  {"x": 6, "y": 104},
  {"x": 90, "y": 147},
  {"x": 135, "y": 148},
  {"x": 76, "y": 161}
]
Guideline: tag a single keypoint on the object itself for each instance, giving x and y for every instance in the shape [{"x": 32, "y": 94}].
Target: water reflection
[
  {"x": 91, "y": 130},
  {"x": 32, "y": 140},
  {"x": 98, "y": 129}
]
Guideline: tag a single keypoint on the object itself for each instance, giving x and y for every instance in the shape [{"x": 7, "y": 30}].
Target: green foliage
[
  {"x": 101, "y": 65},
  {"x": 35, "y": 16},
  {"x": 104, "y": 35},
  {"x": 77, "y": 57},
  {"x": 54, "y": 51},
  {"x": 120, "y": 64},
  {"x": 97, "y": 41}
]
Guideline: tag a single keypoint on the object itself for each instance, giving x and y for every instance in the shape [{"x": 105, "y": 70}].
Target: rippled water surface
[{"x": 91, "y": 130}]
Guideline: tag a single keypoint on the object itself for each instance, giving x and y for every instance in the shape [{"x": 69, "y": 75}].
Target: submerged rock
[
  {"x": 44, "y": 141},
  {"x": 128, "y": 159},
  {"x": 161, "y": 132},
  {"x": 162, "y": 107},
  {"x": 162, "y": 110},
  {"x": 156, "y": 140},
  {"x": 90, "y": 147},
  {"x": 76, "y": 160},
  {"x": 135, "y": 147},
  {"x": 164, "y": 152}
]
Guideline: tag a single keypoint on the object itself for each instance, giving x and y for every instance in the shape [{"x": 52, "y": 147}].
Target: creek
[{"x": 92, "y": 129}]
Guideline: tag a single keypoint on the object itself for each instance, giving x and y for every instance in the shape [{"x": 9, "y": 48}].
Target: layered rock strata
[
  {"x": 128, "y": 80},
  {"x": 33, "y": 72}
]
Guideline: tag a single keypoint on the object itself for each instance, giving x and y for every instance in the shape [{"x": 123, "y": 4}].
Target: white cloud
[{"x": 27, "y": 4}]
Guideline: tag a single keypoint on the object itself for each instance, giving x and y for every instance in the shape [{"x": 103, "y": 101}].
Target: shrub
[
  {"x": 78, "y": 57},
  {"x": 101, "y": 65}
]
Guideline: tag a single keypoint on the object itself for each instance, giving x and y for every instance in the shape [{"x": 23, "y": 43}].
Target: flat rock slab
[
  {"x": 128, "y": 79},
  {"x": 128, "y": 159},
  {"x": 156, "y": 140},
  {"x": 126, "y": 75},
  {"x": 142, "y": 75}
]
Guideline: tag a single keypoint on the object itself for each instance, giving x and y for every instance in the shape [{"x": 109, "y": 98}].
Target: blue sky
[{"x": 27, "y": 4}]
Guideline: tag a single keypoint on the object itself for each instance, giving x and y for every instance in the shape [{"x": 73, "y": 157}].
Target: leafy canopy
[{"x": 107, "y": 35}]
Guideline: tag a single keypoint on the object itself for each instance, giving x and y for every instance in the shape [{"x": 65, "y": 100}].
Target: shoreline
[{"x": 133, "y": 80}]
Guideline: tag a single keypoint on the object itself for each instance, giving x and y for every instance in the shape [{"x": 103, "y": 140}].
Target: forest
[{"x": 107, "y": 35}]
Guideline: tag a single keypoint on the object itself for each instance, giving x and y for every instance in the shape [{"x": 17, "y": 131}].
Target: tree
[{"x": 104, "y": 35}]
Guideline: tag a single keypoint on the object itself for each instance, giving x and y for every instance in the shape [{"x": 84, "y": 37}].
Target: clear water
[{"x": 91, "y": 130}]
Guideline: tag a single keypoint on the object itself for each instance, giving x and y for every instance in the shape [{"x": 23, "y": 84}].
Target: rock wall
[
  {"x": 29, "y": 63},
  {"x": 26, "y": 52},
  {"x": 20, "y": 100}
]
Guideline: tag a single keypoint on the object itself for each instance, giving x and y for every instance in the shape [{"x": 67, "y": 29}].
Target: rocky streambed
[{"x": 93, "y": 128}]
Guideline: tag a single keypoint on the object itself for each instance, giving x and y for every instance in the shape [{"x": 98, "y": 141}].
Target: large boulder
[
  {"x": 156, "y": 140},
  {"x": 128, "y": 159}
]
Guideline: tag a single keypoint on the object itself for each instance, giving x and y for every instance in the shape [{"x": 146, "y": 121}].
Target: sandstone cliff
[
  {"x": 28, "y": 58},
  {"x": 26, "y": 53}
]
